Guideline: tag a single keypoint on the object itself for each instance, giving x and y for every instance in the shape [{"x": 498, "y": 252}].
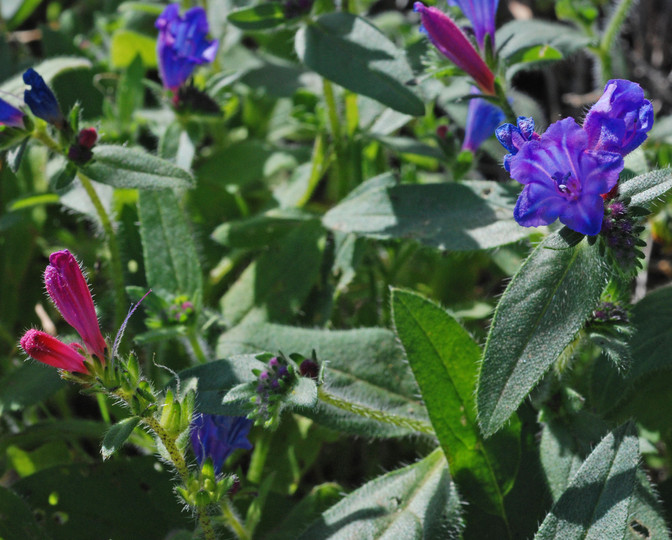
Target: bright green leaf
[
  {"x": 127, "y": 44},
  {"x": 259, "y": 17},
  {"x": 117, "y": 435}
]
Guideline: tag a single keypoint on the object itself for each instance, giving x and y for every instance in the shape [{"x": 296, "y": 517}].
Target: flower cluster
[
  {"x": 182, "y": 44},
  {"x": 70, "y": 293},
  {"x": 621, "y": 230},
  {"x": 81, "y": 151},
  {"x": 272, "y": 384},
  {"x": 568, "y": 169},
  {"x": 215, "y": 437}
]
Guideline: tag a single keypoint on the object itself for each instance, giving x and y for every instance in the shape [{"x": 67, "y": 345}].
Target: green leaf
[
  {"x": 305, "y": 511},
  {"x": 27, "y": 385},
  {"x": 536, "y": 53},
  {"x": 258, "y": 17},
  {"x": 519, "y": 35},
  {"x": 85, "y": 501},
  {"x": 364, "y": 366},
  {"x": 171, "y": 260},
  {"x": 418, "y": 501},
  {"x": 18, "y": 521},
  {"x": 454, "y": 217},
  {"x": 14, "y": 12},
  {"x": 646, "y": 519},
  {"x": 127, "y": 44},
  {"x": 53, "y": 430},
  {"x": 444, "y": 359},
  {"x": 539, "y": 315},
  {"x": 260, "y": 230},
  {"x": 123, "y": 167},
  {"x": 117, "y": 435},
  {"x": 646, "y": 188},
  {"x": 275, "y": 286},
  {"x": 595, "y": 504},
  {"x": 130, "y": 91},
  {"x": 352, "y": 52}
]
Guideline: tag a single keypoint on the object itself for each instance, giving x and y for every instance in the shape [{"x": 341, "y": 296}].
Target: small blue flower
[
  {"x": 216, "y": 437},
  {"x": 620, "y": 120},
  {"x": 40, "y": 99},
  {"x": 564, "y": 179},
  {"x": 513, "y": 137},
  {"x": 481, "y": 14},
  {"x": 482, "y": 119},
  {"x": 10, "y": 116},
  {"x": 182, "y": 44}
]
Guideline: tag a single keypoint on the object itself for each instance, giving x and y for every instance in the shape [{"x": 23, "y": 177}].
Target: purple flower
[
  {"x": 182, "y": 44},
  {"x": 454, "y": 45},
  {"x": 216, "y": 437},
  {"x": 40, "y": 99},
  {"x": 69, "y": 291},
  {"x": 513, "y": 137},
  {"x": 481, "y": 14},
  {"x": 53, "y": 352},
  {"x": 10, "y": 116},
  {"x": 482, "y": 119},
  {"x": 564, "y": 179},
  {"x": 620, "y": 120}
]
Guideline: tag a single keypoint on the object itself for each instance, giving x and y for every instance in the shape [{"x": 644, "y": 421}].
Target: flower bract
[
  {"x": 564, "y": 179},
  {"x": 182, "y": 44},
  {"x": 216, "y": 437}
]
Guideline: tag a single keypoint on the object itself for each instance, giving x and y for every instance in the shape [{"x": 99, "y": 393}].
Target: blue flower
[
  {"x": 216, "y": 437},
  {"x": 10, "y": 116},
  {"x": 513, "y": 137},
  {"x": 182, "y": 44},
  {"x": 40, "y": 99},
  {"x": 482, "y": 119},
  {"x": 564, "y": 179},
  {"x": 620, "y": 120},
  {"x": 481, "y": 14}
]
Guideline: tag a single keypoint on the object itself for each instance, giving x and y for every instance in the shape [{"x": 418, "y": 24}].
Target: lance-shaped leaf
[
  {"x": 418, "y": 501},
  {"x": 171, "y": 261},
  {"x": 646, "y": 188},
  {"x": 123, "y": 167},
  {"x": 596, "y": 503},
  {"x": 457, "y": 217},
  {"x": 117, "y": 435},
  {"x": 444, "y": 360},
  {"x": 352, "y": 52},
  {"x": 539, "y": 315}
]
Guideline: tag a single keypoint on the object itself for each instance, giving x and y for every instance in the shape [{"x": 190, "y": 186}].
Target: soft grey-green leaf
[
  {"x": 418, "y": 501},
  {"x": 646, "y": 188},
  {"x": 596, "y": 502},
  {"x": 453, "y": 216}
]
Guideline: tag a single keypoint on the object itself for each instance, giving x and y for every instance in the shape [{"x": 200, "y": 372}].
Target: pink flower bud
[
  {"x": 454, "y": 45},
  {"x": 51, "y": 351},
  {"x": 69, "y": 291},
  {"x": 87, "y": 137}
]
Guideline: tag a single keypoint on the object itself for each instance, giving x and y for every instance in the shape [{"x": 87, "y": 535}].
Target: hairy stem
[{"x": 375, "y": 414}]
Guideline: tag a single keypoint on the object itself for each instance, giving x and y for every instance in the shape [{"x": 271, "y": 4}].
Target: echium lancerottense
[{"x": 569, "y": 169}]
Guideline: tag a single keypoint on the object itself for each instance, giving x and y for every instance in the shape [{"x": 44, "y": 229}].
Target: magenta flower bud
[
  {"x": 454, "y": 45},
  {"x": 53, "y": 352},
  {"x": 70, "y": 293}
]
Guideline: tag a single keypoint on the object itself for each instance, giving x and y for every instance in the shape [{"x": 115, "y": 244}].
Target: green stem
[
  {"x": 336, "y": 133},
  {"x": 177, "y": 459},
  {"x": 104, "y": 409},
  {"x": 375, "y": 414},
  {"x": 196, "y": 346},
  {"x": 233, "y": 522},
  {"x": 116, "y": 269},
  {"x": 609, "y": 36}
]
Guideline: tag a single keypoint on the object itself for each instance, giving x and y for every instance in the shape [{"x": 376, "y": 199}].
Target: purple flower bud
[
  {"x": 275, "y": 384},
  {"x": 309, "y": 368},
  {"x": 70, "y": 293},
  {"x": 273, "y": 362},
  {"x": 481, "y": 14},
  {"x": 182, "y": 44},
  {"x": 41, "y": 100},
  {"x": 53, "y": 352},
  {"x": 621, "y": 118},
  {"x": 283, "y": 372},
  {"x": 263, "y": 376},
  {"x": 454, "y": 45},
  {"x": 513, "y": 137},
  {"x": 10, "y": 116},
  {"x": 216, "y": 437},
  {"x": 563, "y": 180},
  {"x": 482, "y": 119}
]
